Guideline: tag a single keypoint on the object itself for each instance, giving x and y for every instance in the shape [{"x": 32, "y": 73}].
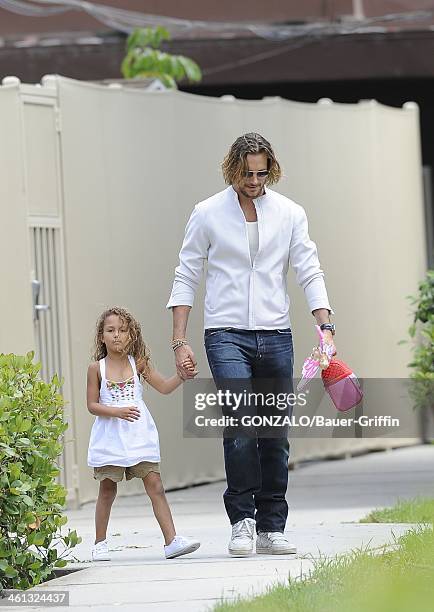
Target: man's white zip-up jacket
[{"x": 241, "y": 293}]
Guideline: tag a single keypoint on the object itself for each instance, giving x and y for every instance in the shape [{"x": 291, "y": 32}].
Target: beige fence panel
[{"x": 16, "y": 330}]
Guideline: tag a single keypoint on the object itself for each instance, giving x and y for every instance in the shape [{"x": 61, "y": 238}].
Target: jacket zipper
[{"x": 252, "y": 263}]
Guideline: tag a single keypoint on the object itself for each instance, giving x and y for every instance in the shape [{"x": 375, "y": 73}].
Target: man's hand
[
  {"x": 185, "y": 362},
  {"x": 328, "y": 339},
  {"x": 128, "y": 413}
]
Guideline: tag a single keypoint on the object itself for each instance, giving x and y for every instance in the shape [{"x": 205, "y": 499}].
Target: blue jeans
[{"x": 256, "y": 468}]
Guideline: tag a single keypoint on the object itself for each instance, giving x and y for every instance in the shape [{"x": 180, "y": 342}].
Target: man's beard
[{"x": 248, "y": 195}]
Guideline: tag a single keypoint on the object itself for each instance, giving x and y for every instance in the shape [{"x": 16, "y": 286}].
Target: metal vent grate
[{"x": 45, "y": 249}]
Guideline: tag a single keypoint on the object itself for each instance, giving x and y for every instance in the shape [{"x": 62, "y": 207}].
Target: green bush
[
  {"x": 422, "y": 333},
  {"x": 31, "y": 501}
]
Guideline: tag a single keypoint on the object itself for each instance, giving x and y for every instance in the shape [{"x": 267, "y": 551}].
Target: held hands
[
  {"x": 185, "y": 362},
  {"x": 128, "y": 413}
]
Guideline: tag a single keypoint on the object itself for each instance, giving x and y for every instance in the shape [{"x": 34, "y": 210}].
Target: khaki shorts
[{"x": 116, "y": 472}]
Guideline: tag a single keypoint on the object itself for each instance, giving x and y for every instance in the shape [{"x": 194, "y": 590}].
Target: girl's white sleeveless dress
[{"x": 115, "y": 441}]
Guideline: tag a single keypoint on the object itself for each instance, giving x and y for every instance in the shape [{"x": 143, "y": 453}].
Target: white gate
[{"x": 44, "y": 197}]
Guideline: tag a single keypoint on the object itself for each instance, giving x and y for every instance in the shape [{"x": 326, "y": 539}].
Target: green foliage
[
  {"x": 417, "y": 510},
  {"x": 31, "y": 501},
  {"x": 422, "y": 334},
  {"x": 144, "y": 59}
]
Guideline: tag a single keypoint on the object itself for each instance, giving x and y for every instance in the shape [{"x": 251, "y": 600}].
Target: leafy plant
[
  {"x": 144, "y": 59},
  {"x": 422, "y": 333},
  {"x": 31, "y": 501}
]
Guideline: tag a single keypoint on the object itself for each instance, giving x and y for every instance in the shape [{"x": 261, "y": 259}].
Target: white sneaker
[
  {"x": 274, "y": 543},
  {"x": 180, "y": 546},
  {"x": 100, "y": 551},
  {"x": 241, "y": 543}
]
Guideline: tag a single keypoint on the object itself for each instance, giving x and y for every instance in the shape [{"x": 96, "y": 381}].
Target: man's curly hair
[
  {"x": 235, "y": 163},
  {"x": 136, "y": 345}
]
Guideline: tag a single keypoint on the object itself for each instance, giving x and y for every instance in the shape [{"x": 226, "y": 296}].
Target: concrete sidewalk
[{"x": 324, "y": 498}]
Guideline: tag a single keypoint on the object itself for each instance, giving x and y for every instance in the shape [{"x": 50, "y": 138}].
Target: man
[{"x": 249, "y": 234}]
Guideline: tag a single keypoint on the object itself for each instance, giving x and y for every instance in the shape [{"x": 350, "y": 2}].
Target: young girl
[{"x": 124, "y": 438}]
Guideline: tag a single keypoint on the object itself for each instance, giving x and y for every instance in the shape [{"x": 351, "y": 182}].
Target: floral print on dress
[{"x": 121, "y": 391}]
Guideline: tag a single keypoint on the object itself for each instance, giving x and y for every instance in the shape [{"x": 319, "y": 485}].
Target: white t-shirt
[{"x": 252, "y": 230}]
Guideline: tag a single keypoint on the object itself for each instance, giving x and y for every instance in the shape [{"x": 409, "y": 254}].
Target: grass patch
[
  {"x": 418, "y": 510},
  {"x": 398, "y": 580},
  {"x": 394, "y": 578}
]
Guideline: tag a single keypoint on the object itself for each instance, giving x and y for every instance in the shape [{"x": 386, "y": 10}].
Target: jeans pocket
[
  {"x": 213, "y": 332},
  {"x": 284, "y": 332}
]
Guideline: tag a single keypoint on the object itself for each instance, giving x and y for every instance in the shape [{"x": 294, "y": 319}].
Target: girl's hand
[
  {"x": 128, "y": 413},
  {"x": 185, "y": 362},
  {"x": 189, "y": 366}
]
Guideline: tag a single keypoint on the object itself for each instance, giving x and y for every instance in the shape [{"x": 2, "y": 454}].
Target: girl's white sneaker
[
  {"x": 100, "y": 551},
  {"x": 180, "y": 546}
]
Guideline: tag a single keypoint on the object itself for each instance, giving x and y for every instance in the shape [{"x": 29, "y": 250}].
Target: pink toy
[
  {"x": 339, "y": 380},
  {"x": 342, "y": 385}
]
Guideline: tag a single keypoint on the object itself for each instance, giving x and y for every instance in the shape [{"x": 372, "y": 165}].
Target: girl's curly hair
[
  {"x": 136, "y": 345},
  {"x": 235, "y": 163}
]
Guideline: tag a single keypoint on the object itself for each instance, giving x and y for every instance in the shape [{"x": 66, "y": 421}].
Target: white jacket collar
[{"x": 258, "y": 200}]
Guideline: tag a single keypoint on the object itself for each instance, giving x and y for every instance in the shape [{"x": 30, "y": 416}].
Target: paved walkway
[{"x": 325, "y": 499}]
